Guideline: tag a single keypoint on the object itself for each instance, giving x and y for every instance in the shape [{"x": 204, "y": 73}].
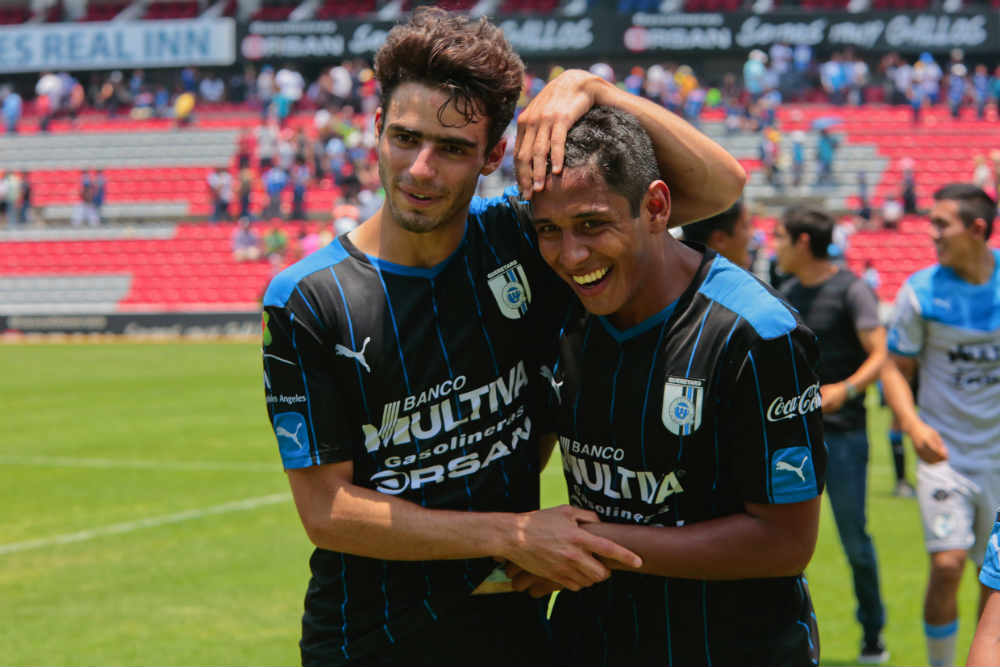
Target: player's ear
[
  {"x": 978, "y": 228},
  {"x": 494, "y": 157},
  {"x": 656, "y": 205}
]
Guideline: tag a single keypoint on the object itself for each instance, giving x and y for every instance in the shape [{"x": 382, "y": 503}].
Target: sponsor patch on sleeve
[
  {"x": 793, "y": 478},
  {"x": 293, "y": 439}
]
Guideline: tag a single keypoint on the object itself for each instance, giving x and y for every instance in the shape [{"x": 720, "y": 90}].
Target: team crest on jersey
[
  {"x": 510, "y": 288},
  {"x": 682, "y": 401}
]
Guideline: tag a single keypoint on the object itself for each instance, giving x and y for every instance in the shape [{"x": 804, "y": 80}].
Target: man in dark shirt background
[{"x": 843, "y": 313}]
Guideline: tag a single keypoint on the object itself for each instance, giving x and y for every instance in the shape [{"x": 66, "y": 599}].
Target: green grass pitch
[{"x": 145, "y": 518}]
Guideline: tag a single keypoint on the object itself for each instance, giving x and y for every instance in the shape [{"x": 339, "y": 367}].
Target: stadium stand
[
  {"x": 183, "y": 267},
  {"x": 158, "y": 173}
]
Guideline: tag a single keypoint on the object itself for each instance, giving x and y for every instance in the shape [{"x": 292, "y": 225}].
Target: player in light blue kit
[
  {"x": 946, "y": 327},
  {"x": 985, "y": 648}
]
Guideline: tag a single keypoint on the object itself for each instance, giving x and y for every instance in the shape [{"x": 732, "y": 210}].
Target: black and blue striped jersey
[
  {"x": 711, "y": 403},
  {"x": 424, "y": 378}
]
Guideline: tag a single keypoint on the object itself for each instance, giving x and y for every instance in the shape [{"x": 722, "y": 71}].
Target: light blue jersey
[
  {"x": 990, "y": 574},
  {"x": 953, "y": 329}
]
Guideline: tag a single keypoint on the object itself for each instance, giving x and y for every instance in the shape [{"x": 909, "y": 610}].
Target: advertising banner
[
  {"x": 117, "y": 44},
  {"x": 873, "y": 31},
  {"x": 344, "y": 39},
  {"x": 608, "y": 35}
]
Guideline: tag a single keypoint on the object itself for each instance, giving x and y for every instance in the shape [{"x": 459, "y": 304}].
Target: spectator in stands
[
  {"x": 275, "y": 181},
  {"x": 212, "y": 88},
  {"x": 769, "y": 151},
  {"x": 900, "y": 73},
  {"x": 857, "y": 77},
  {"x": 727, "y": 233},
  {"x": 220, "y": 185},
  {"x": 957, "y": 88},
  {"x": 300, "y": 181},
  {"x": 995, "y": 89},
  {"x": 143, "y": 104},
  {"x": 245, "y": 193},
  {"x": 245, "y": 242},
  {"x": 266, "y": 135},
  {"x": 12, "y": 198},
  {"x": 244, "y": 149},
  {"x": 834, "y": 78},
  {"x": 826, "y": 151},
  {"x": 275, "y": 245},
  {"x": 137, "y": 82},
  {"x": 980, "y": 85},
  {"x": 780, "y": 55},
  {"x": 85, "y": 211},
  {"x": 892, "y": 212},
  {"x": 753, "y": 73},
  {"x": 864, "y": 205},
  {"x": 161, "y": 102},
  {"x": 239, "y": 84},
  {"x": 189, "y": 80},
  {"x": 48, "y": 91},
  {"x": 290, "y": 85},
  {"x": 100, "y": 189},
  {"x": 265, "y": 90},
  {"x": 27, "y": 209},
  {"x": 112, "y": 95},
  {"x": 74, "y": 96},
  {"x": 798, "y": 157},
  {"x": 184, "y": 108},
  {"x": 12, "y": 105}
]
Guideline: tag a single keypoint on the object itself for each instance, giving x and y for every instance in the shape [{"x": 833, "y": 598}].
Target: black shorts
[{"x": 502, "y": 629}]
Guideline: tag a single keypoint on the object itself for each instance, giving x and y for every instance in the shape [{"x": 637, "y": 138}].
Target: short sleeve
[
  {"x": 906, "y": 329},
  {"x": 863, "y": 306},
  {"x": 775, "y": 430},
  {"x": 990, "y": 574},
  {"x": 310, "y": 423}
]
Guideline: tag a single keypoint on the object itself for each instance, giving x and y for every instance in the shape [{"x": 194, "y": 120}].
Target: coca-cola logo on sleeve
[{"x": 782, "y": 408}]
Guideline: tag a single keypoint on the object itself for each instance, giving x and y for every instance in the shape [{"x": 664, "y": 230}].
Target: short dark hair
[
  {"x": 972, "y": 201},
  {"x": 471, "y": 61},
  {"x": 700, "y": 231},
  {"x": 817, "y": 224},
  {"x": 617, "y": 146}
]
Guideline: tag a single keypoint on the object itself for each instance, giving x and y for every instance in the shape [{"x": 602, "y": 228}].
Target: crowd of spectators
[{"x": 336, "y": 146}]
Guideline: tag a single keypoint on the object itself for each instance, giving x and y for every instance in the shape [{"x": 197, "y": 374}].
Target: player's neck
[
  {"x": 979, "y": 269},
  {"x": 815, "y": 272},
  {"x": 380, "y": 237}
]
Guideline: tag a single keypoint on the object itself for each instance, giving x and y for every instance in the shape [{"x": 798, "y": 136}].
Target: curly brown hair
[{"x": 469, "y": 60}]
